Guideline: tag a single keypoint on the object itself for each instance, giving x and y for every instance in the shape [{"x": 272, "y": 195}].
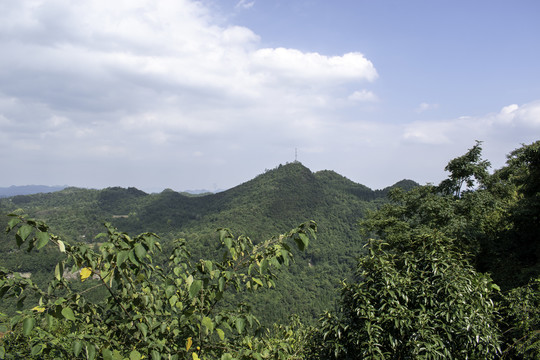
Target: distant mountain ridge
[{"x": 28, "y": 190}]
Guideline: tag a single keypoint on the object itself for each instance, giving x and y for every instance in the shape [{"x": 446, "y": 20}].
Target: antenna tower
[{"x": 295, "y": 154}]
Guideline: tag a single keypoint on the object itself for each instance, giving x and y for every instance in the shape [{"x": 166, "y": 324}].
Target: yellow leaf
[
  {"x": 38, "y": 308},
  {"x": 189, "y": 342},
  {"x": 85, "y": 273},
  {"x": 195, "y": 356}
]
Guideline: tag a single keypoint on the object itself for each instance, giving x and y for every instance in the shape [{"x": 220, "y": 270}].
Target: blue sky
[{"x": 188, "y": 95}]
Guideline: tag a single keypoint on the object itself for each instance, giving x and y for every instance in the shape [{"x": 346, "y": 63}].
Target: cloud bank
[{"x": 164, "y": 94}]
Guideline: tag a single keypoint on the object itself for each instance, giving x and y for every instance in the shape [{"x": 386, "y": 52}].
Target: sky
[{"x": 186, "y": 94}]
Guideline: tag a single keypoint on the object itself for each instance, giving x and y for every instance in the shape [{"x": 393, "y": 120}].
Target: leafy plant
[
  {"x": 151, "y": 311},
  {"x": 425, "y": 302},
  {"x": 521, "y": 320}
]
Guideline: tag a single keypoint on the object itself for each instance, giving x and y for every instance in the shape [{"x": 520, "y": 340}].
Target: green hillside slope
[{"x": 271, "y": 203}]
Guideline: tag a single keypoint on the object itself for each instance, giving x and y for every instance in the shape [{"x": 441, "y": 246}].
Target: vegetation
[
  {"x": 273, "y": 202},
  {"x": 446, "y": 271},
  {"x": 416, "y": 294},
  {"x": 150, "y": 311}
]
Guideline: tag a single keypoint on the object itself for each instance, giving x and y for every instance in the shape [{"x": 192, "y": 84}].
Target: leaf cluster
[{"x": 151, "y": 311}]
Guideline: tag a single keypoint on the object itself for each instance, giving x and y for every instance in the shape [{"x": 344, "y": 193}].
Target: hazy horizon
[{"x": 150, "y": 190}]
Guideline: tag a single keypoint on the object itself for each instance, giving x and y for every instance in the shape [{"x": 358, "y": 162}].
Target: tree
[
  {"x": 422, "y": 302},
  {"x": 468, "y": 169},
  {"x": 521, "y": 322},
  {"x": 416, "y": 292},
  {"x": 519, "y": 183},
  {"x": 152, "y": 311}
]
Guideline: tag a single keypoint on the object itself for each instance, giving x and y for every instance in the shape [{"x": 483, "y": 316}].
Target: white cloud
[
  {"x": 131, "y": 56},
  {"x": 245, "y": 4},
  {"x": 363, "y": 96},
  {"x": 524, "y": 119},
  {"x": 314, "y": 67}
]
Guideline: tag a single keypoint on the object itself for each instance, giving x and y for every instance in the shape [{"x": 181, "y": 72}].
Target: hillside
[{"x": 271, "y": 203}]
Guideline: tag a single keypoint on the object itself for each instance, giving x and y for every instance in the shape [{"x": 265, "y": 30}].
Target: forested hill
[{"x": 269, "y": 204}]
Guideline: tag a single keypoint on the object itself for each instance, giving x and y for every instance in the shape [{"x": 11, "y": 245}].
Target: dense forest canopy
[
  {"x": 428, "y": 272},
  {"x": 273, "y": 202}
]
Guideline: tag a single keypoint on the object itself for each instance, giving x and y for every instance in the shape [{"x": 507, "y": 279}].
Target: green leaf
[
  {"x": 208, "y": 323},
  {"x": 221, "y": 284},
  {"x": 140, "y": 251},
  {"x": 221, "y": 334},
  {"x": 195, "y": 287},
  {"x": 133, "y": 258},
  {"x": 12, "y": 223},
  {"x": 240, "y": 325},
  {"x": 59, "y": 270},
  {"x": 24, "y": 231},
  {"x": 300, "y": 242},
  {"x": 68, "y": 314},
  {"x": 77, "y": 347},
  {"x": 222, "y": 234},
  {"x": 173, "y": 299},
  {"x": 107, "y": 354},
  {"x": 37, "y": 349},
  {"x": 28, "y": 325},
  {"x": 264, "y": 266},
  {"x": 42, "y": 239},
  {"x": 2, "y": 352},
  {"x": 305, "y": 239},
  {"x": 121, "y": 257},
  {"x": 155, "y": 355},
  {"x": 90, "y": 351},
  {"x": 143, "y": 328},
  {"x": 135, "y": 355}
]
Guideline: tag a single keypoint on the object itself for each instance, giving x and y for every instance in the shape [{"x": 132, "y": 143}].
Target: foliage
[
  {"x": 272, "y": 202},
  {"x": 467, "y": 170},
  {"x": 422, "y": 302},
  {"x": 169, "y": 312},
  {"x": 519, "y": 183},
  {"x": 415, "y": 294},
  {"x": 521, "y": 310}
]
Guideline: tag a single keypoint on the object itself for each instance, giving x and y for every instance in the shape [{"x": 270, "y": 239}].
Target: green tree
[
  {"x": 521, "y": 321},
  {"x": 416, "y": 291},
  {"x": 422, "y": 302},
  {"x": 156, "y": 312},
  {"x": 469, "y": 170}
]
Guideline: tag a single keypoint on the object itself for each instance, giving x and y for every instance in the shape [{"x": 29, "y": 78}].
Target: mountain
[
  {"x": 28, "y": 190},
  {"x": 270, "y": 204}
]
